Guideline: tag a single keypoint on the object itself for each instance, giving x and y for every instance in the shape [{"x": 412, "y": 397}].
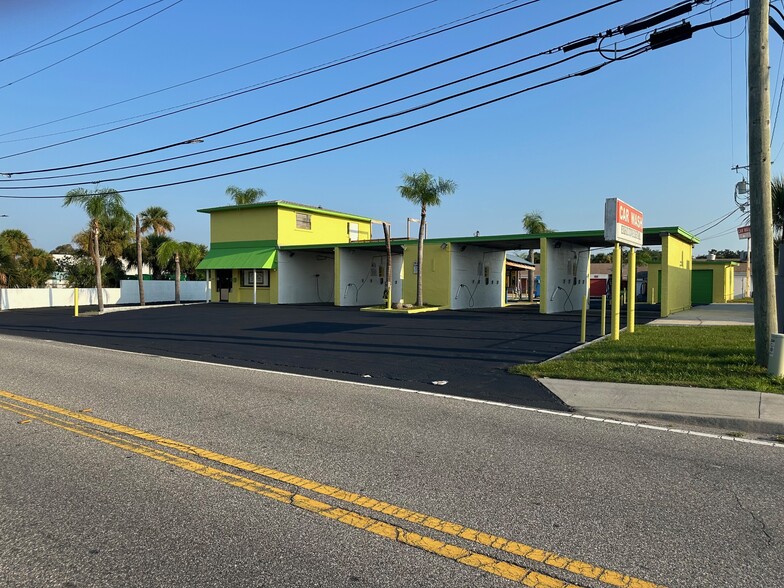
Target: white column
[{"x": 254, "y": 286}]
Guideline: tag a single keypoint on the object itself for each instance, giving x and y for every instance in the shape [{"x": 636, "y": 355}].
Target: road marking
[
  {"x": 509, "y": 571},
  {"x": 564, "y": 414},
  {"x": 548, "y": 558}
]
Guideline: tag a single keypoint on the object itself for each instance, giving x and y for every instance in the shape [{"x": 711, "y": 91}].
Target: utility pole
[{"x": 765, "y": 321}]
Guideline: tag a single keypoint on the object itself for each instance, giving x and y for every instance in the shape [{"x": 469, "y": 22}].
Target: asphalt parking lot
[{"x": 470, "y": 350}]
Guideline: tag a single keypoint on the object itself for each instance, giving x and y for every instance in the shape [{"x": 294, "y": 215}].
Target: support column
[
  {"x": 615, "y": 329},
  {"x": 631, "y": 287}
]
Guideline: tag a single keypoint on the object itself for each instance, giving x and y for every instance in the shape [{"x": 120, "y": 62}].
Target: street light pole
[{"x": 759, "y": 174}]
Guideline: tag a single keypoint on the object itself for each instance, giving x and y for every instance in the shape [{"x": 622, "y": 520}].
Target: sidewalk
[{"x": 730, "y": 410}]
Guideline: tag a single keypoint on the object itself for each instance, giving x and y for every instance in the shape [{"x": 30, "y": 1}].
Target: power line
[
  {"x": 326, "y": 133},
  {"x": 121, "y": 31},
  {"x": 692, "y": 231},
  {"x": 171, "y": 145},
  {"x": 257, "y": 60},
  {"x": 60, "y": 32},
  {"x": 42, "y": 44},
  {"x": 583, "y": 72}
]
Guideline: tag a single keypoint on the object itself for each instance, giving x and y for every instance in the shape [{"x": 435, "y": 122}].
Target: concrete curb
[{"x": 730, "y": 410}]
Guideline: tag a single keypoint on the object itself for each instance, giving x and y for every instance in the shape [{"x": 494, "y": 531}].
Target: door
[
  {"x": 702, "y": 286},
  {"x": 223, "y": 283}
]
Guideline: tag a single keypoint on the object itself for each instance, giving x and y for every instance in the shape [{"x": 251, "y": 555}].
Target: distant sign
[
  {"x": 622, "y": 223},
  {"x": 744, "y": 232}
]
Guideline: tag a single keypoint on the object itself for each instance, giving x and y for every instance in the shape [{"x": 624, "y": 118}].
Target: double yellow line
[{"x": 47, "y": 413}]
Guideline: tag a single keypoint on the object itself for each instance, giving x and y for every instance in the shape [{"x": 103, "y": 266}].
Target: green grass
[
  {"x": 741, "y": 301},
  {"x": 705, "y": 357}
]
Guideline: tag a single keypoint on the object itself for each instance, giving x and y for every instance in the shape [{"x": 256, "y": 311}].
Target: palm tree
[
  {"x": 16, "y": 242},
  {"x": 246, "y": 196},
  {"x": 181, "y": 251},
  {"x": 156, "y": 219},
  {"x": 425, "y": 190},
  {"x": 102, "y": 206},
  {"x": 8, "y": 270},
  {"x": 777, "y": 197},
  {"x": 534, "y": 224}
]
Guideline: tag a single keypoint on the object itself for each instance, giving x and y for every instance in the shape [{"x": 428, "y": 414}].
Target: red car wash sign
[
  {"x": 744, "y": 232},
  {"x": 622, "y": 223}
]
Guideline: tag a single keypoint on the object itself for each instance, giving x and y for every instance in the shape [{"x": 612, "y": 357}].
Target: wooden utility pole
[{"x": 759, "y": 176}]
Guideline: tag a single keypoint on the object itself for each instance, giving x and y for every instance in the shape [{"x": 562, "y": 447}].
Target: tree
[
  {"x": 183, "y": 252},
  {"x": 155, "y": 219},
  {"x": 104, "y": 207},
  {"x": 777, "y": 201},
  {"x": 425, "y": 190},
  {"x": 534, "y": 224},
  {"x": 8, "y": 268},
  {"x": 16, "y": 242},
  {"x": 246, "y": 196}
]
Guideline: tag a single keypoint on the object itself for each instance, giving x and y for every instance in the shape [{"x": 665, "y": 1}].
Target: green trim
[
  {"x": 287, "y": 205},
  {"x": 714, "y": 262},
  {"x": 240, "y": 258}
]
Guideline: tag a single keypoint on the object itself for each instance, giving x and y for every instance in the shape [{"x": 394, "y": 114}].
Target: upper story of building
[{"x": 285, "y": 223}]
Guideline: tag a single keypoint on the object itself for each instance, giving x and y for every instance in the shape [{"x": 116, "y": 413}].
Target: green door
[{"x": 701, "y": 286}]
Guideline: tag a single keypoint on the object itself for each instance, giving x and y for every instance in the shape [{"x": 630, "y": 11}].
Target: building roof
[{"x": 288, "y": 205}]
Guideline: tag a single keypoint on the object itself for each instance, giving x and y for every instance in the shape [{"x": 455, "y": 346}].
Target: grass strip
[{"x": 704, "y": 357}]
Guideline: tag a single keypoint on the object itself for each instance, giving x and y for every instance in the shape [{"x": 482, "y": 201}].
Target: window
[
  {"x": 262, "y": 278},
  {"x": 303, "y": 221},
  {"x": 353, "y": 231}
]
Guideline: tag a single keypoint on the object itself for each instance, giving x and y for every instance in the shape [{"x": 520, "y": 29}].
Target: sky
[{"x": 660, "y": 130}]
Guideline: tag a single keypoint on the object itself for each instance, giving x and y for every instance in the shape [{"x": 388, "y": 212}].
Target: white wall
[
  {"x": 567, "y": 276},
  {"x": 128, "y": 293},
  {"x": 161, "y": 291},
  {"x": 305, "y": 277},
  {"x": 470, "y": 287},
  {"x": 739, "y": 281},
  {"x": 17, "y": 298},
  {"x": 360, "y": 283}
]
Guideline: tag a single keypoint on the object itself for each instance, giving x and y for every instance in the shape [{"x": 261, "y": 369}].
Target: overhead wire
[
  {"x": 583, "y": 72},
  {"x": 253, "y": 61},
  {"x": 710, "y": 222},
  {"x": 60, "y": 32},
  {"x": 72, "y": 55},
  {"x": 41, "y": 44},
  {"x": 235, "y": 127},
  {"x": 327, "y": 133}
]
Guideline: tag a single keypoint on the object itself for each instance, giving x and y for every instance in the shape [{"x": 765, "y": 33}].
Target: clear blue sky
[{"x": 660, "y": 130}]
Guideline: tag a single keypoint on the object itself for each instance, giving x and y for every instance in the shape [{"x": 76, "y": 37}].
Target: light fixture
[{"x": 443, "y": 245}]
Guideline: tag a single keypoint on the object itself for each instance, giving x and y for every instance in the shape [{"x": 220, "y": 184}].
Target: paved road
[
  {"x": 87, "y": 502},
  {"x": 470, "y": 350}
]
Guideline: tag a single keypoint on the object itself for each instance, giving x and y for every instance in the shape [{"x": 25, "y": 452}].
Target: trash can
[{"x": 776, "y": 357}]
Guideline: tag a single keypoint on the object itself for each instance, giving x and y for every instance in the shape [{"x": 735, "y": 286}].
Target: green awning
[{"x": 240, "y": 258}]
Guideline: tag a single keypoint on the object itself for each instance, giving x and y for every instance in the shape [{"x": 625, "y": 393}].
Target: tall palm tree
[
  {"x": 246, "y": 196},
  {"x": 8, "y": 269},
  {"x": 181, "y": 251},
  {"x": 425, "y": 190},
  {"x": 155, "y": 219},
  {"x": 102, "y": 207},
  {"x": 534, "y": 224}
]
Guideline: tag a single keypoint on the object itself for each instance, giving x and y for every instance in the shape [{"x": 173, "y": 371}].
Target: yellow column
[
  {"x": 631, "y": 280},
  {"x": 615, "y": 329},
  {"x": 76, "y": 301},
  {"x": 583, "y": 319}
]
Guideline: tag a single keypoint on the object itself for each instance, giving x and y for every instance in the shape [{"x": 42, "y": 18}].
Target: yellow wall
[
  {"x": 676, "y": 275},
  {"x": 723, "y": 280},
  {"x": 243, "y": 224},
  {"x": 653, "y": 295},
  {"x": 268, "y": 295},
  {"x": 436, "y": 277},
  {"x": 323, "y": 229}
]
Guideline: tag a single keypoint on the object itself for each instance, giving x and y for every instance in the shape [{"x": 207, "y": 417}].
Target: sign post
[{"x": 622, "y": 224}]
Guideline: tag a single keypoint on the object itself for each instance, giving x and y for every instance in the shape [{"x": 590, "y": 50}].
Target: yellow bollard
[
  {"x": 583, "y": 319},
  {"x": 603, "y": 330},
  {"x": 76, "y": 301},
  {"x": 632, "y": 286},
  {"x": 615, "y": 319}
]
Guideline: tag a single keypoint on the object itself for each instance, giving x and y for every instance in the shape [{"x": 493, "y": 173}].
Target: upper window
[{"x": 303, "y": 220}]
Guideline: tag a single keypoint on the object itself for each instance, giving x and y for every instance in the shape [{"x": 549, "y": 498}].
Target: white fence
[{"x": 127, "y": 293}]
